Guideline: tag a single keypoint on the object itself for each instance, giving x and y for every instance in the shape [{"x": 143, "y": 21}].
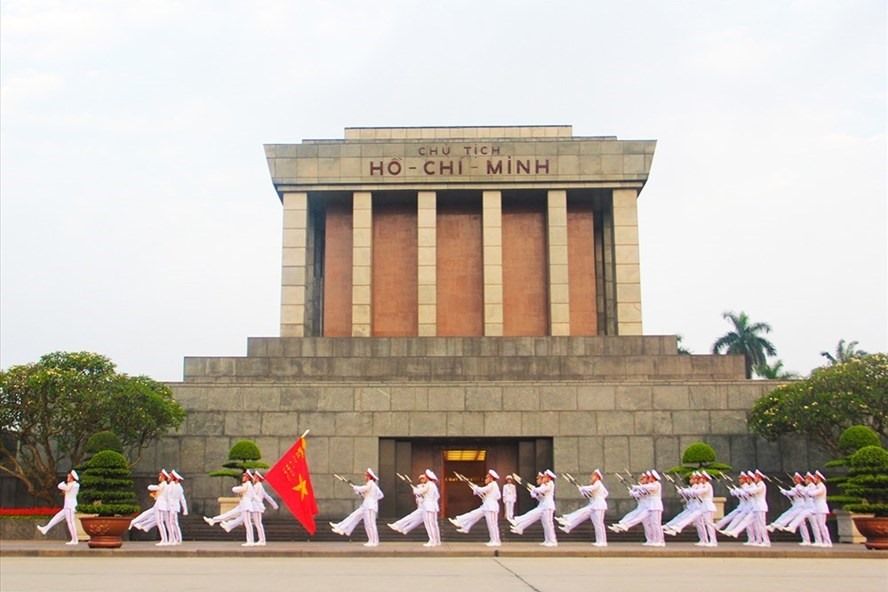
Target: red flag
[{"x": 289, "y": 477}]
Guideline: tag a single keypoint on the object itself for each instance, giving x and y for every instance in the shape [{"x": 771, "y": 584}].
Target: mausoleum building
[{"x": 463, "y": 298}]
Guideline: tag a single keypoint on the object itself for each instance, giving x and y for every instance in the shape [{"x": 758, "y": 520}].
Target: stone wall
[{"x": 630, "y": 423}]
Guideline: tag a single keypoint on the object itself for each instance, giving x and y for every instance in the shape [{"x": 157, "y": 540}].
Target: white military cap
[
  {"x": 177, "y": 475},
  {"x": 655, "y": 474},
  {"x": 759, "y": 474},
  {"x": 258, "y": 474},
  {"x": 819, "y": 474},
  {"x": 372, "y": 474},
  {"x": 75, "y": 475},
  {"x": 809, "y": 475},
  {"x": 164, "y": 473},
  {"x": 705, "y": 475},
  {"x": 249, "y": 473},
  {"x": 550, "y": 474},
  {"x": 597, "y": 472},
  {"x": 493, "y": 474},
  {"x": 797, "y": 475},
  {"x": 540, "y": 474},
  {"x": 431, "y": 474}
]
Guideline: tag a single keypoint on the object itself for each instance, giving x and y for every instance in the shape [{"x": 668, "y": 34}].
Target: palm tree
[
  {"x": 844, "y": 353},
  {"x": 681, "y": 348},
  {"x": 744, "y": 340},
  {"x": 775, "y": 371}
]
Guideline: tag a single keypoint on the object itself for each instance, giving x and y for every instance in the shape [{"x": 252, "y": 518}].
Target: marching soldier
[
  {"x": 177, "y": 505},
  {"x": 798, "y": 499},
  {"x": 367, "y": 512},
  {"x": 544, "y": 493},
  {"x": 162, "y": 506},
  {"x": 816, "y": 490},
  {"x": 596, "y": 492},
  {"x": 70, "y": 486},
  {"x": 428, "y": 492},
  {"x": 489, "y": 509}
]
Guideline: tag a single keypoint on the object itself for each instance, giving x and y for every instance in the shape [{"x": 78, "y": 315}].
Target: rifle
[
  {"x": 464, "y": 479},
  {"x": 344, "y": 479},
  {"x": 404, "y": 478},
  {"x": 623, "y": 481}
]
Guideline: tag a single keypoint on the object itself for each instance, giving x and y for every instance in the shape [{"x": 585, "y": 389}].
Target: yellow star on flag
[{"x": 301, "y": 487}]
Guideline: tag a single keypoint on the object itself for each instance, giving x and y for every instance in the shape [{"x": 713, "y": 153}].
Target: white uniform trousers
[
  {"x": 66, "y": 514},
  {"x": 350, "y": 522},
  {"x": 492, "y": 519},
  {"x": 430, "y": 520},
  {"x": 467, "y": 521},
  {"x": 409, "y": 522},
  {"x": 370, "y": 526},
  {"x": 522, "y": 522}
]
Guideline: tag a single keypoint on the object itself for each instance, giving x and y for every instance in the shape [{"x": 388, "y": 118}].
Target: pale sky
[{"x": 138, "y": 218}]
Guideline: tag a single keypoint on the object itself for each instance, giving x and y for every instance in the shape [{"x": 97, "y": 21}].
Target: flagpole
[{"x": 304, "y": 434}]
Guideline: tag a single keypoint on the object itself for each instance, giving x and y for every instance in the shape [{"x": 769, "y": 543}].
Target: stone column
[
  {"x": 293, "y": 264},
  {"x": 362, "y": 258},
  {"x": 626, "y": 262},
  {"x": 427, "y": 285},
  {"x": 559, "y": 289},
  {"x": 492, "y": 230}
]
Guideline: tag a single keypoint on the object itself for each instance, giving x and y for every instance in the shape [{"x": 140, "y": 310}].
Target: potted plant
[
  {"x": 850, "y": 441},
  {"x": 243, "y": 455},
  {"x": 700, "y": 456},
  {"x": 868, "y": 482},
  {"x": 107, "y": 491}
]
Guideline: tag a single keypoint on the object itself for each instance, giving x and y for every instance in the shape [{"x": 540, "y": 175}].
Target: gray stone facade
[{"x": 616, "y": 403}]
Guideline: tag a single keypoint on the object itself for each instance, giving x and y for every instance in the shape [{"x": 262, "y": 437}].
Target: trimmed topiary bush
[
  {"x": 868, "y": 481},
  {"x": 857, "y": 437},
  {"x": 850, "y": 441},
  {"x": 106, "y": 486},
  {"x": 699, "y": 456},
  {"x": 104, "y": 440},
  {"x": 244, "y": 454}
]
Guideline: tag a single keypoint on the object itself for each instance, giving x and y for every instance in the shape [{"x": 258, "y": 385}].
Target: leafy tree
[
  {"x": 844, "y": 353},
  {"x": 51, "y": 407},
  {"x": 681, "y": 348},
  {"x": 745, "y": 340},
  {"x": 822, "y": 405},
  {"x": 775, "y": 371}
]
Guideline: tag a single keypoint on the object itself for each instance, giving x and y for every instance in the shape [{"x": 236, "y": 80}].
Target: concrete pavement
[{"x": 384, "y": 570}]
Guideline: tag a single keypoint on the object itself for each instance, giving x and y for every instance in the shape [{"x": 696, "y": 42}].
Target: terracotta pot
[
  {"x": 875, "y": 530},
  {"x": 106, "y": 532}
]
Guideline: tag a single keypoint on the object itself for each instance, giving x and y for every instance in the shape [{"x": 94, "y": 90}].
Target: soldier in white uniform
[
  {"x": 70, "y": 487},
  {"x": 760, "y": 509},
  {"x": 161, "y": 492},
  {"x": 693, "y": 511},
  {"x": 367, "y": 512},
  {"x": 816, "y": 490},
  {"x": 596, "y": 493},
  {"x": 544, "y": 493},
  {"x": 177, "y": 504},
  {"x": 489, "y": 509},
  {"x": 654, "y": 519},
  {"x": 260, "y": 496},
  {"x": 242, "y": 510},
  {"x": 642, "y": 507},
  {"x": 798, "y": 500},
  {"x": 510, "y": 496},
  {"x": 428, "y": 490}
]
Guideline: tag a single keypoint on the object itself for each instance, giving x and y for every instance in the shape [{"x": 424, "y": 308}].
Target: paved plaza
[{"x": 343, "y": 567}]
